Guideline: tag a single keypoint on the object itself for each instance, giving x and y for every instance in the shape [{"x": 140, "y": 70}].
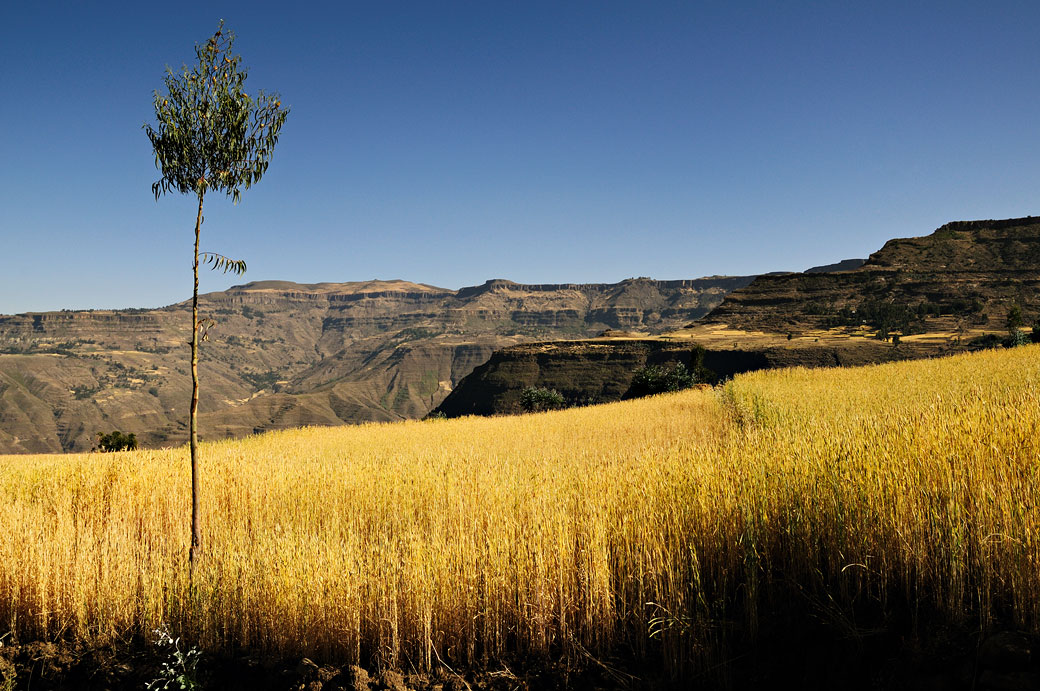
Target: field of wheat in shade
[{"x": 647, "y": 527}]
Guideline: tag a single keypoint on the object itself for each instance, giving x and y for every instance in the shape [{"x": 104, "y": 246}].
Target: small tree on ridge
[{"x": 210, "y": 136}]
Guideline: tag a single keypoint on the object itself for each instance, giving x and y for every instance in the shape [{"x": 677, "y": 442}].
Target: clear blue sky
[{"x": 449, "y": 143}]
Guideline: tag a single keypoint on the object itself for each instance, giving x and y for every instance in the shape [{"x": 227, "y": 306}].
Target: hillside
[
  {"x": 281, "y": 354},
  {"x": 962, "y": 277},
  {"x": 943, "y": 293},
  {"x": 601, "y": 370}
]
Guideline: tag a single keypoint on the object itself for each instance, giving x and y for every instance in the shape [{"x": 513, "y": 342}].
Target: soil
[{"x": 937, "y": 659}]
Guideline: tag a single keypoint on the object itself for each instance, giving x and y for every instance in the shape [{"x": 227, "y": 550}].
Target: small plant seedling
[{"x": 180, "y": 671}]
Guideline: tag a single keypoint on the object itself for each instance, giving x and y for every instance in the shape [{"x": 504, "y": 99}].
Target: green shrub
[
  {"x": 701, "y": 374},
  {"x": 984, "y": 341},
  {"x": 654, "y": 379},
  {"x": 116, "y": 441},
  {"x": 1016, "y": 338},
  {"x": 1014, "y": 319},
  {"x": 535, "y": 399}
]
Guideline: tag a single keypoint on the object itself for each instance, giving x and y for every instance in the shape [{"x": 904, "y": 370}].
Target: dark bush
[
  {"x": 1016, "y": 338},
  {"x": 701, "y": 374},
  {"x": 535, "y": 399},
  {"x": 654, "y": 379},
  {"x": 986, "y": 341},
  {"x": 1014, "y": 319},
  {"x": 116, "y": 441}
]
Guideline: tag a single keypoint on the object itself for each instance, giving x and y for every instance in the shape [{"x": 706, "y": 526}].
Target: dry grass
[{"x": 913, "y": 486}]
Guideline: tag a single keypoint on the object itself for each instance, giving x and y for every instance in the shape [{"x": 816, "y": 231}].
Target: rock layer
[
  {"x": 968, "y": 271},
  {"x": 601, "y": 371},
  {"x": 280, "y": 354},
  {"x": 936, "y": 293}
]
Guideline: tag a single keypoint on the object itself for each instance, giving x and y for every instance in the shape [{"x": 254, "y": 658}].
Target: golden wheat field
[{"x": 643, "y": 526}]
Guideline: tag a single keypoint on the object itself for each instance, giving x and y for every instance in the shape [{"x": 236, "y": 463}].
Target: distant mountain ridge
[
  {"x": 968, "y": 273},
  {"x": 937, "y": 293},
  {"x": 843, "y": 265},
  {"x": 283, "y": 354}
]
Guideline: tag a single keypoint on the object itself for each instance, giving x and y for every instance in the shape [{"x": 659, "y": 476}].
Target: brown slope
[
  {"x": 601, "y": 370},
  {"x": 282, "y": 354},
  {"x": 937, "y": 292},
  {"x": 965, "y": 274}
]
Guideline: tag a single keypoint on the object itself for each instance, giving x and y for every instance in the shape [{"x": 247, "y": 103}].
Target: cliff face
[
  {"x": 599, "y": 371},
  {"x": 281, "y": 354},
  {"x": 936, "y": 293},
  {"x": 964, "y": 273}
]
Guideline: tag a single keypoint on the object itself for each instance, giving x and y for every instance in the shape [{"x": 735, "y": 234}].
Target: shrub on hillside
[
  {"x": 701, "y": 374},
  {"x": 1014, "y": 318},
  {"x": 1016, "y": 338},
  {"x": 984, "y": 341},
  {"x": 536, "y": 399},
  {"x": 654, "y": 379},
  {"x": 116, "y": 441}
]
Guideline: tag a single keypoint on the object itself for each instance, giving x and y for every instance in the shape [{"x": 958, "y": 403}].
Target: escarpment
[
  {"x": 965, "y": 274},
  {"x": 281, "y": 354}
]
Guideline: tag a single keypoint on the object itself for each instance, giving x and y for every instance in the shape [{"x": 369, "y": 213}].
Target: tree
[
  {"x": 210, "y": 136},
  {"x": 1014, "y": 324},
  {"x": 701, "y": 374},
  {"x": 535, "y": 399},
  {"x": 655, "y": 379},
  {"x": 116, "y": 441},
  {"x": 1014, "y": 318}
]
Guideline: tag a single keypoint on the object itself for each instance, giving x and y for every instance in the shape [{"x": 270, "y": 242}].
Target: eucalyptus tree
[{"x": 210, "y": 136}]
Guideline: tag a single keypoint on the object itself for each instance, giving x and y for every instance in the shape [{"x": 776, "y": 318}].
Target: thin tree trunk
[{"x": 196, "y": 529}]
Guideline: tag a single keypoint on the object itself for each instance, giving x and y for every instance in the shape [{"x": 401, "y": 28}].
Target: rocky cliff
[
  {"x": 966, "y": 274},
  {"x": 281, "y": 354},
  {"x": 601, "y": 370},
  {"x": 915, "y": 297}
]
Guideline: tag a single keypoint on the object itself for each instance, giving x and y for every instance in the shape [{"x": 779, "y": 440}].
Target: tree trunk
[{"x": 196, "y": 529}]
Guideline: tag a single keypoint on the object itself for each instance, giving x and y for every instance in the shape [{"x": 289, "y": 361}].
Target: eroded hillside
[
  {"x": 280, "y": 354},
  {"x": 963, "y": 277},
  {"x": 921, "y": 297}
]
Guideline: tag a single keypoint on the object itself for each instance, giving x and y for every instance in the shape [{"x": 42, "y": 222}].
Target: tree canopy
[{"x": 211, "y": 134}]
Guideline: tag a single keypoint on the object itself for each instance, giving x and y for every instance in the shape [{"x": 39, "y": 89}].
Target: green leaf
[{"x": 218, "y": 262}]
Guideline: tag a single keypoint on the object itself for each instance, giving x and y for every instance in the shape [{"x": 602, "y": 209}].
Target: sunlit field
[{"x": 652, "y": 529}]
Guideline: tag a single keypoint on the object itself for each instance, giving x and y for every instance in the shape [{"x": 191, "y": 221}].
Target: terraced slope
[
  {"x": 916, "y": 297},
  {"x": 966, "y": 274},
  {"x": 281, "y": 354}
]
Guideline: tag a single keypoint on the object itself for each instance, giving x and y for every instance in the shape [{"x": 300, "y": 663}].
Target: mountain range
[
  {"x": 965, "y": 276},
  {"x": 949, "y": 291},
  {"x": 279, "y": 354}
]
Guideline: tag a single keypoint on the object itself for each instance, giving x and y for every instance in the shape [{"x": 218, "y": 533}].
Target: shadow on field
[{"x": 818, "y": 653}]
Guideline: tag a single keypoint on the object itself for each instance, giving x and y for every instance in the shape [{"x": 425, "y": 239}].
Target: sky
[{"x": 449, "y": 143}]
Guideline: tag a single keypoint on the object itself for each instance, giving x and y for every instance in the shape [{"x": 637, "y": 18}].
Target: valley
[{"x": 280, "y": 355}]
